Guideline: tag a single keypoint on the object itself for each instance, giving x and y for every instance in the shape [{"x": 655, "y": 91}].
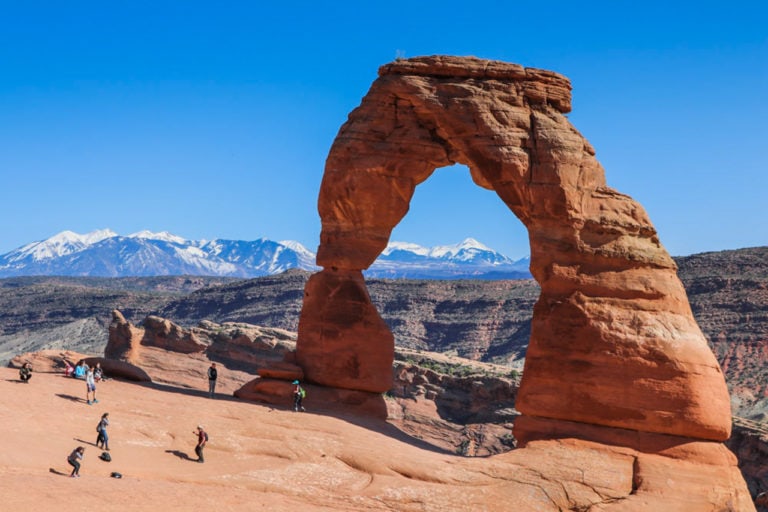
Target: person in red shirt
[{"x": 202, "y": 438}]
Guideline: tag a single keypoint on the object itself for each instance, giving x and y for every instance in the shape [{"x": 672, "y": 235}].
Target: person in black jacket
[{"x": 212, "y": 375}]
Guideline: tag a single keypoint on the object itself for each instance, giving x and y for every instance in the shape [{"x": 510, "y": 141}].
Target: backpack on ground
[
  {"x": 115, "y": 474},
  {"x": 106, "y": 457}
]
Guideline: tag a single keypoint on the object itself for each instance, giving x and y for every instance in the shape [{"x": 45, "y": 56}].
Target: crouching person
[{"x": 25, "y": 373}]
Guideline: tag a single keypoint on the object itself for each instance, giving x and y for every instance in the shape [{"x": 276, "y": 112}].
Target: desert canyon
[{"x": 623, "y": 404}]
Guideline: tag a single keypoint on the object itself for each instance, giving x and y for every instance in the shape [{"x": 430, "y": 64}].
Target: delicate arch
[{"x": 613, "y": 339}]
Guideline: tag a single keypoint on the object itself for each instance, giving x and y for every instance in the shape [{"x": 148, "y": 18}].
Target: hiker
[
  {"x": 74, "y": 460},
  {"x": 212, "y": 375},
  {"x": 90, "y": 386},
  {"x": 25, "y": 373},
  {"x": 69, "y": 370},
  {"x": 202, "y": 438},
  {"x": 98, "y": 373},
  {"x": 102, "y": 440},
  {"x": 80, "y": 370},
  {"x": 298, "y": 397}
]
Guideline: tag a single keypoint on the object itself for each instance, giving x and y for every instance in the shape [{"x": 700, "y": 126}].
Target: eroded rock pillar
[{"x": 344, "y": 341}]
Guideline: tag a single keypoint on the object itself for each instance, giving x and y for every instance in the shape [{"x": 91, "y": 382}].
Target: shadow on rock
[
  {"x": 70, "y": 397},
  {"x": 180, "y": 454}
]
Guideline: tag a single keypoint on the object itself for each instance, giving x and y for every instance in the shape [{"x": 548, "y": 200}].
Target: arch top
[{"x": 540, "y": 85}]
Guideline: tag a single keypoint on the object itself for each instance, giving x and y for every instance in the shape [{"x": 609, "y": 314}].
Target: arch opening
[
  {"x": 449, "y": 207},
  {"x": 439, "y": 314}
]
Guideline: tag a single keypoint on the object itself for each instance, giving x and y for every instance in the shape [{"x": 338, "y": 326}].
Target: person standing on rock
[
  {"x": 212, "y": 376},
  {"x": 74, "y": 460},
  {"x": 102, "y": 440},
  {"x": 298, "y": 396},
  {"x": 90, "y": 386},
  {"x": 202, "y": 438}
]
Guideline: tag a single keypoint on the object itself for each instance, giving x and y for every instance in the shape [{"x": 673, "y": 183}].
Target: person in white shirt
[{"x": 90, "y": 386}]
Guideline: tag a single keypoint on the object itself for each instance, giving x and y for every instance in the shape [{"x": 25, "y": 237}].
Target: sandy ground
[
  {"x": 273, "y": 459},
  {"x": 258, "y": 457}
]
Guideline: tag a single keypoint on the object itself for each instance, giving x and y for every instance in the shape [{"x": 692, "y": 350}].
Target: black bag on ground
[{"x": 105, "y": 457}]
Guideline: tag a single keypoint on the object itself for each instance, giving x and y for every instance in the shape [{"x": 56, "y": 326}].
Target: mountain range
[{"x": 104, "y": 253}]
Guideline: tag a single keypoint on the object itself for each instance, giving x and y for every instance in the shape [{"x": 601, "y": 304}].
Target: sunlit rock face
[{"x": 613, "y": 339}]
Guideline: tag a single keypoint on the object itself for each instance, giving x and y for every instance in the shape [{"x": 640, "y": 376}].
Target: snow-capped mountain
[
  {"x": 104, "y": 253},
  {"x": 469, "y": 259},
  {"x": 58, "y": 245}
]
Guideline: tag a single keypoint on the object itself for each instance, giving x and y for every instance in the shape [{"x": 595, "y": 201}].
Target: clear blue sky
[{"x": 214, "y": 119}]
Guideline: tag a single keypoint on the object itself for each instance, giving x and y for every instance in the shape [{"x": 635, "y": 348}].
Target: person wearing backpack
[
  {"x": 102, "y": 440},
  {"x": 202, "y": 439},
  {"x": 212, "y": 376},
  {"x": 298, "y": 397}
]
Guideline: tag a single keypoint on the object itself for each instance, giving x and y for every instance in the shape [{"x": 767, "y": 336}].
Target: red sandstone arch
[{"x": 613, "y": 340}]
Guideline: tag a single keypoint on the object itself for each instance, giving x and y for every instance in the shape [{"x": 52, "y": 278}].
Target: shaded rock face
[
  {"x": 750, "y": 444},
  {"x": 471, "y": 414},
  {"x": 613, "y": 341},
  {"x": 346, "y": 344}
]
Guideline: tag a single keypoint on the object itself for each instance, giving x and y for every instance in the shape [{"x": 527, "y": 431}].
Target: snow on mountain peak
[
  {"x": 297, "y": 247},
  {"x": 61, "y": 244},
  {"x": 163, "y": 236},
  {"x": 97, "y": 236},
  {"x": 70, "y": 237},
  {"x": 405, "y": 246},
  {"x": 163, "y": 253},
  {"x": 469, "y": 244}
]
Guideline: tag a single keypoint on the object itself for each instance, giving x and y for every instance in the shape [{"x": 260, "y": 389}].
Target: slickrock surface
[
  {"x": 265, "y": 458},
  {"x": 613, "y": 339}
]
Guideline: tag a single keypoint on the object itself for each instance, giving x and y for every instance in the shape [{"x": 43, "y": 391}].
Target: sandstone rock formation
[
  {"x": 47, "y": 361},
  {"x": 345, "y": 344},
  {"x": 615, "y": 355},
  {"x": 613, "y": 339},
  {"x": 168, "y": 353}
]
